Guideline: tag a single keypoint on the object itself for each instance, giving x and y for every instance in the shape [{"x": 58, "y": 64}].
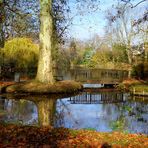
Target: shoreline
[{"x": 34, "y": 87}]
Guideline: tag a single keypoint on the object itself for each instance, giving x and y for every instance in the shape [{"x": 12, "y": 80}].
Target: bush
[
  {"x": 138, "y": 71},
  {"x": 119, "y": 53},
  {"x": 22, "y": 53}
]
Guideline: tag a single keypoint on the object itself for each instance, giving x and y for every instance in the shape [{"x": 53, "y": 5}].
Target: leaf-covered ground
[
  {"x": 48, "y": 137},
  {"x": 6, "y": 83}
]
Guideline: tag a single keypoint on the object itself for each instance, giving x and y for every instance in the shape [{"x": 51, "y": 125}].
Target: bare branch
[
  {"x": 139, "y": 3},
  {"x": 16, "y": 11},
  {"x": 133, "y": 6}
]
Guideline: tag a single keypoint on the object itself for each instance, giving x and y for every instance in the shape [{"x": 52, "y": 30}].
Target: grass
[
  {"x": 136, "y": 87},
  {"x": 35, "y": 87},
  {"x": 140, "y": 88}
]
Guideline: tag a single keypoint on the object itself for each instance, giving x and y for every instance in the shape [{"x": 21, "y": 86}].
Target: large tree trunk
[
  {"x": 44, "y": 72},
  {"x": 2, "y": 19}
]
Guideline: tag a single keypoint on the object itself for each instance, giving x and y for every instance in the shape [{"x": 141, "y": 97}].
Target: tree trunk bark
[
  {"x": 45, "y": 72},
  {"x": 129, "y": 60},
  {"x": 129, "y": 56},
  {"x": 2, "y": 19}
]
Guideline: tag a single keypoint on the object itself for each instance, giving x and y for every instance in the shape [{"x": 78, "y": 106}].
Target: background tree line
[{"x": 119, "y": 48}]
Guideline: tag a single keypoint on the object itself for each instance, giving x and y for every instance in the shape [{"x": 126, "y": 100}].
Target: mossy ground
[
  {"x": 48, "y": 137},
  {"x": 35, "y": 87}
]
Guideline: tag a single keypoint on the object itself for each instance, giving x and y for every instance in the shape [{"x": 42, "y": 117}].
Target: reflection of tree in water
[
  {"x": 64, "y": 109},
  {"x": 45, "y": 107},
  {"x": 139, "y": 115},
  {"x": 51, "y": 112},
  {"x": 121, "y": 122},
  {"x": 115, "y": 115},
  {"x": 46, "y": 111},
  {"x": 105, "y": 100},
  {"x": 126, "y": 115},
  {"x": 2, "y": 112},
  {"x": 18, "y": 111},
  {"x": 27, "y": 108},
  {"x": 129, "y": 115},
  {"x": 59, "y": 116}
]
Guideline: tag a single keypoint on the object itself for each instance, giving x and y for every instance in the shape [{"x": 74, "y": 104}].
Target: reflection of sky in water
[
  {"x": 97, "y": 116},
  {"x": 92, "y": 85},
  {"x": 87, "y": 116},
  {"x": 100, "y": 116}
]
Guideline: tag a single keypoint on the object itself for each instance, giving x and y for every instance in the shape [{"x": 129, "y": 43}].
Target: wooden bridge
[
  {"x": 101, "y": 76},
  {"x": 97, "y": 98},
  {"x": 95, "y": 76}
]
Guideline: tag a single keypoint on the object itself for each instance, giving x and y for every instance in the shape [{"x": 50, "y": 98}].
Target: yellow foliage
[
  {"x": 101, "y": 58},
  {"x": 22, "y": 52}
]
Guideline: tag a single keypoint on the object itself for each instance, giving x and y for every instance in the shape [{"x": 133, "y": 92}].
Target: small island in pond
[{"x": 73, "y": 74}]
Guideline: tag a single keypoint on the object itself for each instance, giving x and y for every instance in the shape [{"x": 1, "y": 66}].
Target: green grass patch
[{"x": 139, "y": 87}]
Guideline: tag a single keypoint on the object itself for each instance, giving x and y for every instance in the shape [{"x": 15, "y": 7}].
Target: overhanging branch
[{"x": 133, "y": 6}]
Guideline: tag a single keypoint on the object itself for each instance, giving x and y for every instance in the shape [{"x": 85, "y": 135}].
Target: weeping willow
[{"x": 21, "y": 52}]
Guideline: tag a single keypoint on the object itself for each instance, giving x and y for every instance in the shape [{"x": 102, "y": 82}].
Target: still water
[{"x": 102, "y": 111}]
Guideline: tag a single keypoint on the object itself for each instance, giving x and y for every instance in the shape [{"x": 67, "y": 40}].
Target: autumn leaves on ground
[{"x": 48, "y": 137}]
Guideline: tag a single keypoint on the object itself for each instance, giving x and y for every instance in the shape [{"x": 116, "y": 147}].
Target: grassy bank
[
  {"x": 139, "y": 89},
  {"x": 26, "y": 136},
  {"x": 34, "y": 87},
  {"x": 135, "y": 87}
]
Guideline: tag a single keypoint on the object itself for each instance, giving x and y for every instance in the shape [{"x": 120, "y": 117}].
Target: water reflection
[
  {"x": 103, "y": 111},
  {"x": 24, "y": 109},
  {"x": 17, "y": 111},
  {"x": 95, "y": 98},
  {"x": 46, "y": 111}
]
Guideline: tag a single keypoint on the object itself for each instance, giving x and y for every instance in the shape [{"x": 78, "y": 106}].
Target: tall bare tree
[{"x": 121, "y": 26}]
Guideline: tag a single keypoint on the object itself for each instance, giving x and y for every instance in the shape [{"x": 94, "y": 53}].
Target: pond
[{"x": 103, "y": 111}]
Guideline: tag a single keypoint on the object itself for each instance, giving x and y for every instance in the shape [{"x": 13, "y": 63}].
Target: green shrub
[
  {"x": 118, "y": 125},
  {"x": 139, "y": 88},
  {"x": 138, "y": 71},
  {"x": 121, "y": 87},
  {"x": 21, "y": 53}
]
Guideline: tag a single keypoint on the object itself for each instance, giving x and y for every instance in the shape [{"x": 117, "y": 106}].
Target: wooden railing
[
  {"x": 89, "y": 98},
  {"x": 99, "y": 75}
]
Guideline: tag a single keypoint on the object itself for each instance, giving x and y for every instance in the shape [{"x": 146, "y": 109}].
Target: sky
[{"x": 84, "y": 27}]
